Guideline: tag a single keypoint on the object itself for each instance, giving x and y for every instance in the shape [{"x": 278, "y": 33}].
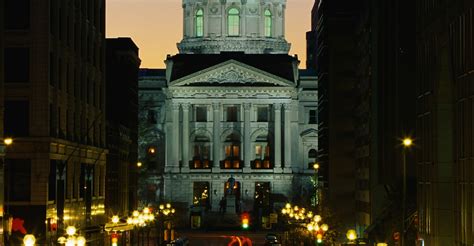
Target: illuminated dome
[{"x": 249, "y": 26}]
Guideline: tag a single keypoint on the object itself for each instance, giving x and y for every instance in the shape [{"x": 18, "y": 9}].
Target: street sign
[
  {"x": 118, "y": 227},
  {"x": 273, "y": 218}
]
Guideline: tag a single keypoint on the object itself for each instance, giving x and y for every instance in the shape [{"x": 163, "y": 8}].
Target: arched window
[
  {"x": 199, "y": 21},
  {"x": 268, "y": 23},
  {"x": 232, "y": 152},
  {"x": 201, "y": 146},
  {"x": 262, "y": 153},
  {"x": 233, "y": 22},
  {"x": 312, "y": 154}
]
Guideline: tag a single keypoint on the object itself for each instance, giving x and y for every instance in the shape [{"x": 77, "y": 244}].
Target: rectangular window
[
  {"x": 18, "y": 178},
  {"x": 52, "y": 181},
  {"x": 52, "y": 66},
  {"x": 201, "y": 114},
  {"x": 17, "y": 65},
  {"x": 201, "y": 194},
  {"x": 312, "y": 116},
  {"x": 262, "y": 194},
  {"x": 17, "y": 118},
  {"x": 151, "y": 116},
  {"x": 82, "y": 181},
  {"x": 262, "y": 114},
  {"x": 53, "y": 127},
  {"x": 17, "y": 14},
  {"x": 232, "y": 114},
  {"x": 258, "y": 152}
]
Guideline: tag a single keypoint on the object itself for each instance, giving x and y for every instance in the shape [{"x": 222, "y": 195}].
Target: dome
[{"x": 249, "y": 26}]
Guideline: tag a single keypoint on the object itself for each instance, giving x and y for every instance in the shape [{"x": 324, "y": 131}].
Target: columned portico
[
  {"x": 287, "y": 137},
  {"x": 277, "y": 136},
  {"x": 216, "y": 143},
  {"x": 185, "y": 138}
]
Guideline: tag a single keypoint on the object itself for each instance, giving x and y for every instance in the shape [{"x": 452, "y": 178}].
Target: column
[
  {"x": 175, "y": 138},
  {"x": 243, "y": 17},
  {"x": 185, "y": 136},
  {"x": 277, "y": 138},
  {"x": 247, "y": 148},
  {"x": 216, "y": 132},
  {"x": 287, "y": 138},
  {"x": 223, "y": 18}
]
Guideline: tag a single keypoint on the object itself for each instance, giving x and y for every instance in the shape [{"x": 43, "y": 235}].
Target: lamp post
[
  {"x": 164, "y": 211},
  {"x": 407, "y": 142},
  {"x": 351, "y": 235},
  {"x": 29, "y": 240},
  {"x": 3, "y": 145},
  {"x": 316, "y": 185}
]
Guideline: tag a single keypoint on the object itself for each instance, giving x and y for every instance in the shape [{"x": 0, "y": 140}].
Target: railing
[
  {"x": 231, "y": 164},
  {"x": 200, "y": 164},
  {"x": 261, "y": 164}
]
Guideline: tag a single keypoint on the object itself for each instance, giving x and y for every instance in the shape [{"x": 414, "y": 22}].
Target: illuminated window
[
  {"x": 262, "y": 194},
  {"x": 268, "y": 23},
  {"x": 233, "y": 22},
  {"x": 201, "y": 194},
  {"x": 232, "y": 152},
  {"x": 262, "y": 153},
  {"x": 312, "y": 154},
  {"x": 199, "y": 20},
  {"x": 201, "y": 147}
]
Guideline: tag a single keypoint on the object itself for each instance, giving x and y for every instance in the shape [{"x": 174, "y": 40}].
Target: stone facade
[
  {"x": 231, "y": 123},
  {"x": 286, "y": 129},
  {"x": 259, "y": 26}
]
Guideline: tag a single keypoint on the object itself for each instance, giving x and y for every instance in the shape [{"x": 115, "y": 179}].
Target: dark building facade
[
  {"x": 336, "y": 84},
  {"x": 54, "y": 110},
  {"x": 312, "y": 39},
  {"x": 444, "y": 108},
  {"x": 384, "y": 115},
  {"x": 122, "y": 64},
  {"x": 366, "y": 70}
]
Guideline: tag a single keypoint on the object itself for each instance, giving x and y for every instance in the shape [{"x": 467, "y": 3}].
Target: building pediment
[{"x": 232, "y": 73}]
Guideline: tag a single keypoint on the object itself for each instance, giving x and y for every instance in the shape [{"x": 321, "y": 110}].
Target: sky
[{"x": 156, "y": 26}]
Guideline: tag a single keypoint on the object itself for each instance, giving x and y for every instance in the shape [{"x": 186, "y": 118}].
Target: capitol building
[{"x": 232, "y": 113}]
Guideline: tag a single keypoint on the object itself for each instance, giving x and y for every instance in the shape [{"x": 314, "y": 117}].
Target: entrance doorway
[{"x": 232, "y": 194}]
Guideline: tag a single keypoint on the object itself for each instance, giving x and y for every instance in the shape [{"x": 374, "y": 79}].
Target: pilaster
[
  {"x": 216, "y": 143},
  {"x": 277, "y": 138},
  {"x": 175, "y": 138},
  {"x": 247, "y": 149},
  {"x": 185, "y": 138},
  {"x": 287, "y": 137}
]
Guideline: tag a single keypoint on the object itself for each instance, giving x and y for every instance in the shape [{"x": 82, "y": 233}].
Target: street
[{"x": 222, "y": 238}]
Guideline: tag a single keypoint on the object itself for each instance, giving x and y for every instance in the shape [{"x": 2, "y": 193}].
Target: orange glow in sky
[{"x": 156, "y": 26}]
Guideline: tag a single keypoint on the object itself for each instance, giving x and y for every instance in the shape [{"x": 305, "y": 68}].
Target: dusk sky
[{"x": 156, "y": 26}]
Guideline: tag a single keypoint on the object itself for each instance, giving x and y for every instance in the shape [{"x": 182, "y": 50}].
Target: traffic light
[
  {"x": 319, "y": 238},
  {"x": 245, "y": 220},
  {"x": 114, "y": 239}
]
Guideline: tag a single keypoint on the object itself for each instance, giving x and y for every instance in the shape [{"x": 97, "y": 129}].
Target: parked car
[
  {"x": 272, "y": 240},
  {"x": 179, "y": 242}
]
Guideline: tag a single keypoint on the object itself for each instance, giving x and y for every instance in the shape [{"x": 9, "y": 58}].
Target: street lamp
[
  {"x": 407, "y": 143},
  {"x": 81, "y": 241},
  {"x": 115, "y": 219},
  {"x": 29, "y": 240},
  {"x": 351, "y": 235},
  {"x": 71, "y": 230},
  {"x": 8, "y": 141}
]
